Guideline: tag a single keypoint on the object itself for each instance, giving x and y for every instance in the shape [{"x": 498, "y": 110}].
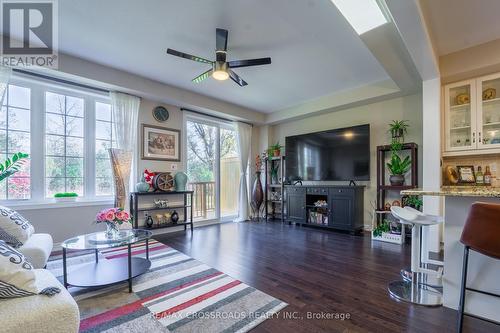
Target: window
[
  {"x": 104, "y": 139},
  {"x": 65, "y": 130},
  {"x": 15, "y": 118},
  {"x": 64, "y": 152}
]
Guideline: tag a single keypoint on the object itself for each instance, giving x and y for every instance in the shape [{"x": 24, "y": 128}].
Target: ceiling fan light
[
  {"x": 220, "y": 71},
  {"x": 220, "y": 75}
]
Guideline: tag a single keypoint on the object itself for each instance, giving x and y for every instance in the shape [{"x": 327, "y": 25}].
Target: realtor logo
[{"x": 29, "y": 33}]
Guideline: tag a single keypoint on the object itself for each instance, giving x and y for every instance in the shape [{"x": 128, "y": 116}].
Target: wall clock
[{"x": 160, "y": 114}]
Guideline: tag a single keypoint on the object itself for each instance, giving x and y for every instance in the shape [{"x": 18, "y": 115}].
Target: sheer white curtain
[
  {"x": 5, "y": 73},
  {"x": 244, "y": 139},
  {"x": 125, "y": 110}
]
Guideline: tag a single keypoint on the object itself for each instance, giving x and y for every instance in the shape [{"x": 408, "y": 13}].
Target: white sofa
[
  {"x": 41, "y": 313},
  {"x": 37, "y": 249}
]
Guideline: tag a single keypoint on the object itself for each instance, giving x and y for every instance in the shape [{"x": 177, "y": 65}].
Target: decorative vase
[
  {"x": 142, "y": 186},
  {"x": 397, "y": 180},
  {"x": 277, "y": 152},
  {"x": 257, "y": 195},
  {"x": 149, "y": 221},
  {"x": 121, "y": 161},
  {"x": 180, "y": 180},
  {"x": 174, "y": 217},
  {"x": 112, "y": 230}
]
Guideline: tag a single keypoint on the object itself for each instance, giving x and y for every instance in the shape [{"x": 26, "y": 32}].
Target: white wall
[
  {"x": 64, "y": 223},
  {"x": 378, "y": 115},
  {"x": 175, "y": 121}
]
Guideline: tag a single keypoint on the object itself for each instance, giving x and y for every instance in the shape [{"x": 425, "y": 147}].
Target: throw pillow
[
  {"x": 15, "y": 230},
  {"x": 17, "y": 276}
]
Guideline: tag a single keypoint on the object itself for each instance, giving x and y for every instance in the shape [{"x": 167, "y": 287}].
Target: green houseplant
[
  {"x": 274, "y": 150},
  {"x": 65, "y": 196},
  {"x": 413, "y": 201},
  {"x": 382, "y": 227},
  {"x": 12, "y": 165},
  {"x": 398, "y": 129},
  {"x": 398, "y": 168}
]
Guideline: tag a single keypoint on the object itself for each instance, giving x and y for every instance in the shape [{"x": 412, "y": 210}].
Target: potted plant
[
  {"x": 413, "y": 201},
  {"x": 381, "y": 228},
  {"x": 398, "y": 129},
  {"x": 274, "y": 150},
  {"x": 65, "y": 196},
  {"x": 398, "y": 169},
  {"x": 12, "y": 165}
]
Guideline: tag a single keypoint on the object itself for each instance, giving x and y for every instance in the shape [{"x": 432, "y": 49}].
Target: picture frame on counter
[
  {"x": 160, "y": 143},
  {"x": 466, "y": 174}
]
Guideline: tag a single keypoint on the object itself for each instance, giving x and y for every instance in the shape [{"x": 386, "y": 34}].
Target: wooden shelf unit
[
  {"x": 274, "y": 209},
  {"x": 383, "y": 188}
]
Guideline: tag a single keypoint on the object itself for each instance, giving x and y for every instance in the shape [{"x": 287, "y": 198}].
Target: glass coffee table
[{"x": 106, "y": 271}]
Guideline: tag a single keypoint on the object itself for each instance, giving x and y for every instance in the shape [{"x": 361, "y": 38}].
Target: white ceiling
[
  {"x": 459, "y": 24},
  {"x": 314, "y": 50}
]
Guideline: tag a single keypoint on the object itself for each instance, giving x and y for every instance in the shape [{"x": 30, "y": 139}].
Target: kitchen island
[{"x": 484, "y": 272}]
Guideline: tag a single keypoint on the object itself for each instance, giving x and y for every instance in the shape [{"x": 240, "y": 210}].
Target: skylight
[{"x": 363, "y": 15}]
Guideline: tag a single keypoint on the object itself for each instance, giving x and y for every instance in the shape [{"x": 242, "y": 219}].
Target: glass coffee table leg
[
  {"x": 129, "y": 269},
  {"x": 147, "y": 249},
  {"x": 65, "y": 274},
  {"x": 96, "y": 256}
]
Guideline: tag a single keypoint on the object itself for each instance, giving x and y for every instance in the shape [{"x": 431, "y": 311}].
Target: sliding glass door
[{"x": 213, "y": 168}]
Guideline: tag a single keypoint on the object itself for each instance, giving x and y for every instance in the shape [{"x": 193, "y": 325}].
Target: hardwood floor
[{"x": 317, "y": 271}]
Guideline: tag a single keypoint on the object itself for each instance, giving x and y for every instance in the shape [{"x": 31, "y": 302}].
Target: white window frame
[{"x": 38, "y": 88}]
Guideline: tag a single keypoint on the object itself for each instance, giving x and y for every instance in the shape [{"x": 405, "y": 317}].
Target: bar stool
[
  {"x": 415, "y": 291},
  {"x": 429, "y": 277},
  {"x": 481, "y": 234}
]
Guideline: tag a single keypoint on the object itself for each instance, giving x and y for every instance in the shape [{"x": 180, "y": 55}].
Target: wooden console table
[{"x": 135, "y": 210}]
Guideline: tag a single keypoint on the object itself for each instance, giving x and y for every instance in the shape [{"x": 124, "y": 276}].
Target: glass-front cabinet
[
  {"x": 488, "y": 92},
  {"x": 460, "y": 116},
  {"x": 472, "y": 114}
]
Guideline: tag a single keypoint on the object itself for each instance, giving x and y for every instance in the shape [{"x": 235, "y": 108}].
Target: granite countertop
[{"x": 457, "y": 191}]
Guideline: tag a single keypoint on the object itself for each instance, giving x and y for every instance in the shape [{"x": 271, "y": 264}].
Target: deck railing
[{"x": 203, "y": 198}]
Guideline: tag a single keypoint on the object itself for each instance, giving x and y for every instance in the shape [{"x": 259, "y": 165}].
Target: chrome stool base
[
  {"x": 427, "y": 279},
  {"x": 415, "y": 293}
]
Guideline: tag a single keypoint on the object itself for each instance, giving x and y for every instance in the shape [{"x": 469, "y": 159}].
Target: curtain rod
[
  {"x": 58, "y": 80},
  {"x": 216, "y": 117}
]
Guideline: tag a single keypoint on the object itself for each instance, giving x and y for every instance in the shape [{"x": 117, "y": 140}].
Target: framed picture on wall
[{"x": 160, "y": 143}]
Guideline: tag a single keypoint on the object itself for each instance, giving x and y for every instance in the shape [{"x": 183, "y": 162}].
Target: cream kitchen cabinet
[{"x": 472, "y": 116}]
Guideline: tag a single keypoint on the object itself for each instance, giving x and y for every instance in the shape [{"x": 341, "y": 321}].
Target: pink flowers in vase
[{"x": 113, "y": 215}]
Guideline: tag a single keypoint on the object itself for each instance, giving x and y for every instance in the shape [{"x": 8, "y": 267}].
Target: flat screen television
[{"x": 341, "y": 154}]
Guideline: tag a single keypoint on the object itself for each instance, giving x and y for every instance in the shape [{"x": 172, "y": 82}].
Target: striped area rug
[{"x": 177, "y": 294}]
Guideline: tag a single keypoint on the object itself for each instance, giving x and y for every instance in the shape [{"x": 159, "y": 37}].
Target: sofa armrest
[{"x": 41, "y": 313}]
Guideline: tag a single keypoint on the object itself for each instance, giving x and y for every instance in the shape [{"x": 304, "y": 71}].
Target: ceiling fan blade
[
  {"x": 237, "y": 79},
  {"x": 203, "y": 76},
  {"x": 221, "y": 39},
  {"x": 249, "y": 62},
  {"x": 188, "y": 56}
]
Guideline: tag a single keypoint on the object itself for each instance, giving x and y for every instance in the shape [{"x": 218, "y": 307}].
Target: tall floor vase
[
  {"x": 257, "y": 196},
  {"x": 121, "y": 161}
]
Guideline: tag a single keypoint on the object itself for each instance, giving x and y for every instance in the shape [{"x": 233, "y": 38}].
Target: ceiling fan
[{"x": 221, "y": 69}]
